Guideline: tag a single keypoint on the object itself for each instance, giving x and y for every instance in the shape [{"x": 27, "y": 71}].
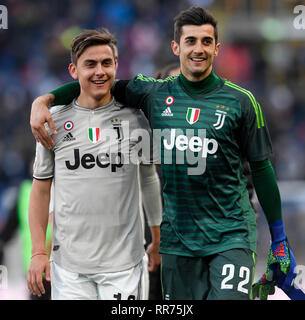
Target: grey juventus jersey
[{"x": 97, "y": 225}]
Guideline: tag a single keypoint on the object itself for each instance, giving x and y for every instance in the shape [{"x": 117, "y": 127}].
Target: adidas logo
[
  {"x": 280, "y": 251},
  {"x": 167, "y": 112},
  {"x": 68, "y": 137}
]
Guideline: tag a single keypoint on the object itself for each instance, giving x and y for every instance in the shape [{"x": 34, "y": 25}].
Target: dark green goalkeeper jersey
[{"x": 206, "y": 129}]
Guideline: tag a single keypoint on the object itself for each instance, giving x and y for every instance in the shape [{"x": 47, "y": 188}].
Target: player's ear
[
  {"x": 175, "y": 48},
  {"x": 217, "y": 47},
  {"x": 73, "y": 71}
]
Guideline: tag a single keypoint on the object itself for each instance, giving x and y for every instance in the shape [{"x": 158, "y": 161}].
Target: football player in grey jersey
[{"x": 97, "y": 248}]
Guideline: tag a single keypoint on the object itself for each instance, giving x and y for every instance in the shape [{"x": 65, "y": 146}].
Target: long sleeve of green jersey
[
  {"x": 134, "y": 92},
  {"x": 66, "y": 93},
  {"x": 267, "y": 190},
  {"x": 138, "y": 89}
]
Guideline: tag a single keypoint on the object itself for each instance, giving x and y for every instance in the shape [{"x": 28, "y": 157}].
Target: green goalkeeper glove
[{"x": 280, "y": 259}]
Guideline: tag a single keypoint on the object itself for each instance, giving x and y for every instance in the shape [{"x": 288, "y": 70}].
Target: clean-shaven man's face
[
  {"x": 196, "y": 50},
  {"x": 96, "y": 70}
]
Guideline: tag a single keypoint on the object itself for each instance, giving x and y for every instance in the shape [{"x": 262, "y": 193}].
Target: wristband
[{"x": 39, "y": 253}]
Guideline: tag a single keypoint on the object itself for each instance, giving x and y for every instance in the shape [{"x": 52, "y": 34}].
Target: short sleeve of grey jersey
[{"x": 43, "y": 167}]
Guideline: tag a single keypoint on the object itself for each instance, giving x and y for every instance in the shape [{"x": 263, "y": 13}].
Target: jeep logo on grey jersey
[{"x": 89, "y": 161}]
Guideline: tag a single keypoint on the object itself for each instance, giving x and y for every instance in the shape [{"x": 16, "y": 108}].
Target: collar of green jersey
[{"x": 202, "y": 86}]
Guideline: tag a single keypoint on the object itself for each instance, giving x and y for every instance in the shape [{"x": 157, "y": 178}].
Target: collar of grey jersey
[{"x": 115, "y": 105}]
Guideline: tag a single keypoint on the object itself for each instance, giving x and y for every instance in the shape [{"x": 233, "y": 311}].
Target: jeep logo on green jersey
[
  {"x": 190, "y": 148},
  {"x": 194, "y": 143}
]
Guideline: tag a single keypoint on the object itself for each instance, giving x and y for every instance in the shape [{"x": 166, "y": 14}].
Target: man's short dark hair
[
  {"x": 90, "y": 38},
  {"x": 193, "y": 16}
]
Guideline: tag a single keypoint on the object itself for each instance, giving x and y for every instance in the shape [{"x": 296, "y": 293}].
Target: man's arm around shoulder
[{"x": 40, "y": 115}]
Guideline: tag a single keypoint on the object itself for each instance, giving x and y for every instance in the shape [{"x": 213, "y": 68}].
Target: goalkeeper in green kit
[{"x": 208, "y": 126}]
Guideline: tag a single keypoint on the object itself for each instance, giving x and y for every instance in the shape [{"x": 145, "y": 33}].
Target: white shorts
[{"x": 130, "y": 284}]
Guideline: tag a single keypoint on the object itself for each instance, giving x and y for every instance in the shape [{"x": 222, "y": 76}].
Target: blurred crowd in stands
[{"x": 34, "y": 58}]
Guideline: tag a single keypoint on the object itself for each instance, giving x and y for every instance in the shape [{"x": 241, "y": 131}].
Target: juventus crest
[
  {"x": 117, "y": 126},
  {"x": 221, "y": 115}
]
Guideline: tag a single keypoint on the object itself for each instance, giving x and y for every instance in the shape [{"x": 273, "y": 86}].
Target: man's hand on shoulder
[{"x": 40, "y": 115}]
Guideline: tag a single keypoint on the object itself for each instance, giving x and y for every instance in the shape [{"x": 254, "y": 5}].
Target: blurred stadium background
[{"x": 261, "y": 50}]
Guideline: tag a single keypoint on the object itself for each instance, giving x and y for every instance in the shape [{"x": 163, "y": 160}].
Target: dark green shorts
[{"x": 226, "y": 275}]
